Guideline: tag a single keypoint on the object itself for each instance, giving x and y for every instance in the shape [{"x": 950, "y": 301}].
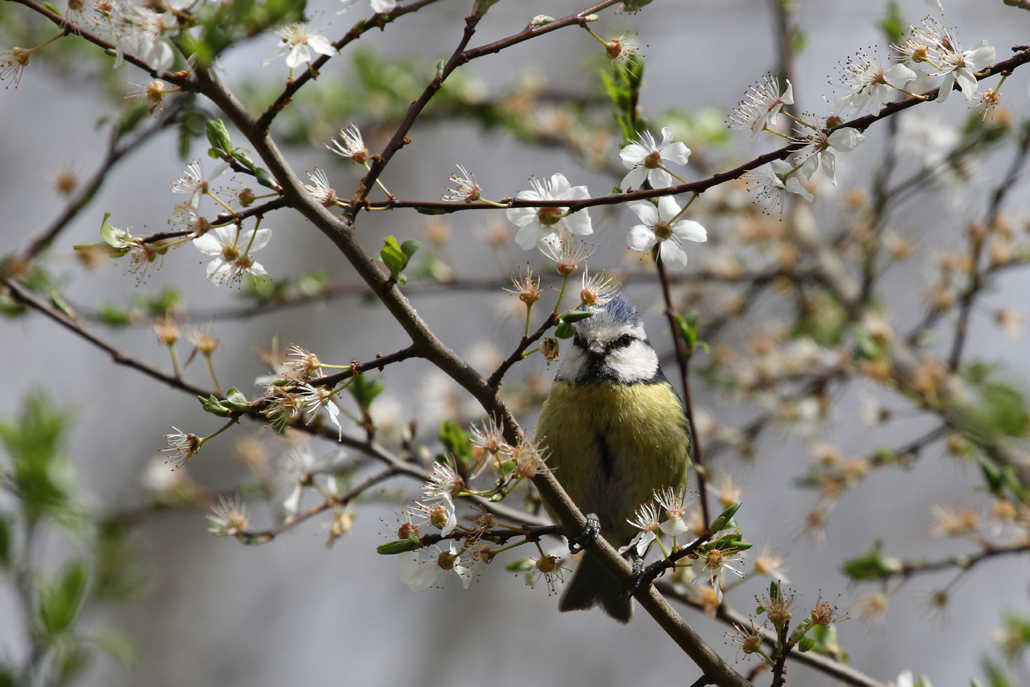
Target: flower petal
[
  {"x": 321, "y": 44},
  {"x": 560, "y": 186},
  {"x": 659, "y": 178},
  {"x": 579, "y": 223},
  {"x": 640, "y": 238},
  {"x": 672, "y": 254},
  {"x": 667, "y": 208},
  {"x": 677, "y": 152},
  {"x": 634, "y": 178},
  {"x": 528, "y": 236},
  {"x": 208, "y": 244},
  {"x": 260, "y": 240},
  {"x": 298, "y": 56},
  {"x": 689, "y": 230},
  {"x": 845, "y": 138},
  {"x": 633, "y": 154},
  {"x": 645, "y": 211},
  {"x": 521, "y": 217}
]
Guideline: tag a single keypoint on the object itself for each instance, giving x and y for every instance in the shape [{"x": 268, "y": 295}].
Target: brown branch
[
  {"x": 264, "y": 536},
  {"x": 356, "y": 368},
  {"x": 782, "y": 652},
  {"x": 683, "y": 363},
  {"x": 824, "y": 664},
  {"x": 341, "y": 234},
  {"x": 397, "y": 465},
  {"x": 23, "y": 295},
  {"x": 376, "y": 21},
  {"x": 180, "y": 79},
  {"x": 961, "y": 561},
  {"x": 860, "y": 123},
  {"x": 459, "y": 57},
  {"x": 495, "y": 379}
]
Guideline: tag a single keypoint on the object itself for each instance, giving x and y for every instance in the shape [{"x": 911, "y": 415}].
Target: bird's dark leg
[{"x": 591, "y": 529}]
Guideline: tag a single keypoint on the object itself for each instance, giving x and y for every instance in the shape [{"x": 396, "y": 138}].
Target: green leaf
[
  {"x": 398, "y": 546},
  {"x": 60, "y": 602},
  {"x": 800, "y": 631},
  {"x": 118, "y": 239},
  {"x": 265, "y": 178},
  {"x": 364, "y": 390},
  {"x": 396, "y": 256},
  {"x": 218, "y": 136},
  {"x": 687, "y": 327},
  {"x": 521, "y": 565},
  {"x": 724, "y": 518},
  {"x": 564, "y": 330},
  {"x": 114, "y": 317},
  {"x": 235, "y": 400},
  {"x": 576, "y": 315},
  {"x": 456, "y": 441},
  {"x": 212, "y": 404},
  {"x": 41, "y": 473},
  {"x": 806, "y": 644},
  {"x": 410, "y": 247},
  {"x": 871, "y": 566}
]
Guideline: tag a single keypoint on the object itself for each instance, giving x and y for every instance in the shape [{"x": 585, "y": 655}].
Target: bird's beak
[{"x": 596, "y": 347}]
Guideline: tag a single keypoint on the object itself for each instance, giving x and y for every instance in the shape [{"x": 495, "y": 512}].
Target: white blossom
[
  {"x": 465, "y": 189},
  {"x": 646, "y": 520},
  {"x": 675, "y": 507},
  {"x": 760, "y": 104},
  {"x": 297, "y": 42},
  {"x": 644, "y": 160},
  {"x": 820, "y": 153},
  {"x": 319, "y": 189},
  {"x": 191, "y": 182},
  {"x": 228, "y": 517},
  {"x": 313, "y": 400},
  {"x": 870, "y": 83},
  {"x": 377, "y": 5},
  {"x": 536, "y": 223},
  {"x": 417, "y": 572},
  {"x": 350, "y": 144},
  {"x": 785, "y": 177},
  {"x": 231, "y": 253},
  {"x": 657, "y": 226}
]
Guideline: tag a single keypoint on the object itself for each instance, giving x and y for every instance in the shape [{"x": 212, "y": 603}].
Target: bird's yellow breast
[{"x": 610, "y": 445}]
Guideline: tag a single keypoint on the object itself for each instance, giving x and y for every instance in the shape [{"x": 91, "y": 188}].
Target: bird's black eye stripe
[
  {"x": 579, "y": 341},
  {"x": 621, "y": 342}
]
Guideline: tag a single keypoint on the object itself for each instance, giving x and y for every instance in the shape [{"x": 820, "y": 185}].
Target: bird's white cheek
[
  {"x": 574, "y": 360},
  {"x": 635, "y": 363}
]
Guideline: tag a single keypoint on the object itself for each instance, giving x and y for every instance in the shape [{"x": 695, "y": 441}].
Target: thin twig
[
  {"x": 976, "y": 283},
  {"x": 683, "y": 363},
  {"x": 376, "y": 21}
]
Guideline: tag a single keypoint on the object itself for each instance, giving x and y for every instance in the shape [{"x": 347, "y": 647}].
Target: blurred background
[{"x": 206, "y": 610}]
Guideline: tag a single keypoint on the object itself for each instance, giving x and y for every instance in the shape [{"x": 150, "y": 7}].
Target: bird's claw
[
  {"x": 636, "y": 579},
  {"x": 591, "y": 529}
]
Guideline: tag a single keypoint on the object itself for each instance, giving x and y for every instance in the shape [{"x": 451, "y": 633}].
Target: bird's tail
[{"x": 593, "y": 585}]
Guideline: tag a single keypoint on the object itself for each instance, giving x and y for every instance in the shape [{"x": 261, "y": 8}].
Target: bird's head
[{"x": 610, "y": 346}]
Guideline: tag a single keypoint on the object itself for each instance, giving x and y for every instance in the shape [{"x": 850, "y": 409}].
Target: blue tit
[{"x": 614, "y": 431}]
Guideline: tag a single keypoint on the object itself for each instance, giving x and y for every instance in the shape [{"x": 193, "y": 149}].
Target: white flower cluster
[
  {"x": 551, "y": 228},
  {"x": 928, "y": 56},
  {"x": 133, "y": 28}
]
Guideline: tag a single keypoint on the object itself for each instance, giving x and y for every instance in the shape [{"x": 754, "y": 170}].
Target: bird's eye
[
  {"x": 621, "y": 342},
  {"x": 579, "y": 341}
]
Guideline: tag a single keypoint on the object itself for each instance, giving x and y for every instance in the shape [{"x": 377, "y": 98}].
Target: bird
[{"x": 614, "y": 431}]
